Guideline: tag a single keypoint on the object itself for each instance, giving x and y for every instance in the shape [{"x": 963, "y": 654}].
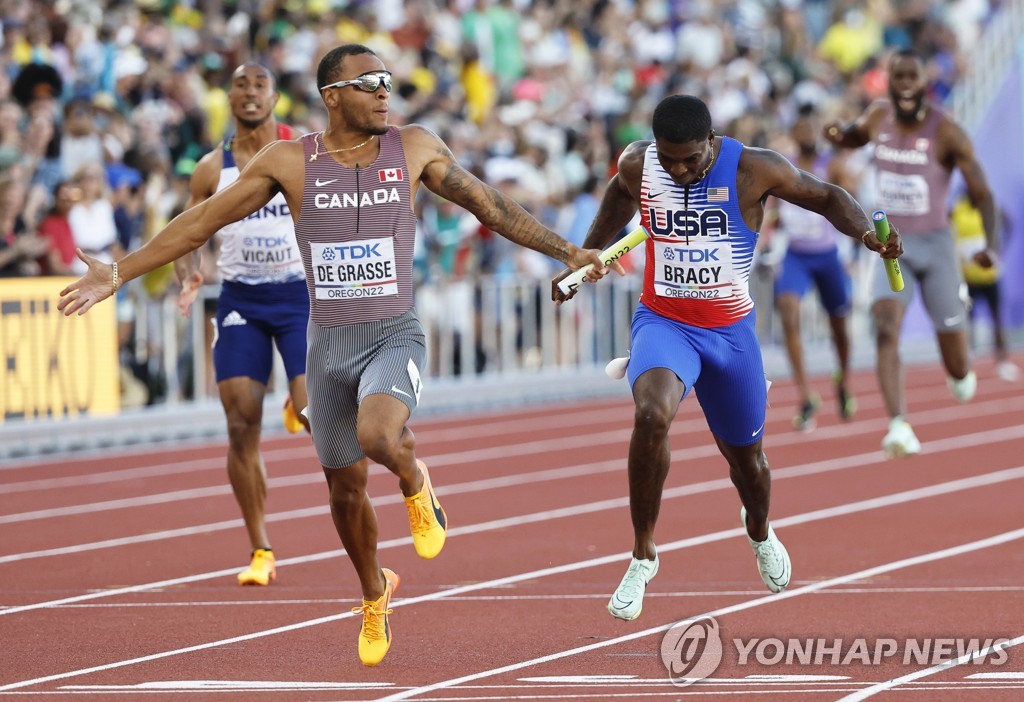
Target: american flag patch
[
  {"x": 390, "y": 175},
  {"x": 718, "y": 194}
]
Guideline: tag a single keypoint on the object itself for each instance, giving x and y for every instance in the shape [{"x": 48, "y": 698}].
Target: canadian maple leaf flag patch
[{"x": 390, "y": 175}]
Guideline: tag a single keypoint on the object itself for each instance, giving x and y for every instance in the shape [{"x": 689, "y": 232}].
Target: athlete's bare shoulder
[
  {"x": 631, "y": 164},
  {"x": 759, "y": 170},
  {"x": 422, "y": 146},
  {"x": 282, "y": 162},
  {"x": 206, "y": 176}
]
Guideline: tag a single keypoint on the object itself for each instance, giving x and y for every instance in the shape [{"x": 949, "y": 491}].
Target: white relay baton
[{"x": 620, "y": 248}]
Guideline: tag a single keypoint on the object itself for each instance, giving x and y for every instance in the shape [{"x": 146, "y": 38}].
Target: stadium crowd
[{"x": 105, "y": 107}]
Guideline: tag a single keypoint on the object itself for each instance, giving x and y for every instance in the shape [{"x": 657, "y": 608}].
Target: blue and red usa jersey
[{"x": 700, "y": 251}]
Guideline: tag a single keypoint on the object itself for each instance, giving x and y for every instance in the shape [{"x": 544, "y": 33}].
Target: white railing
[
  {"x": 489, "y": 328},
  {"x": 990, "y": 60}
]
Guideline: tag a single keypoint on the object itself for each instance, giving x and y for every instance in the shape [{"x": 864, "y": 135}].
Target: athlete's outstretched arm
[
  {"x": 857, "y": 133},
  {"x": 780, "y": 178},
  {"x": 443, "y": 175},
  {"x": 186, "y": 232}
]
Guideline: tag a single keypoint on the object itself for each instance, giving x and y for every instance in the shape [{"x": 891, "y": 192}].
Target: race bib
[
  {"x": 701, "y": 270},
  {"x": 354, "y": 270},
  {"x": 903, "y": 194},
  {"x": 267, "y": 253}
]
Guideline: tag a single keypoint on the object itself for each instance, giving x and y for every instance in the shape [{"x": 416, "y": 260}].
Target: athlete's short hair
[
  {"x": 329, "y": 69},
  {"x": 256, "y": 64},
  {"x": 906, "y": 53},
  {"x": 681, "y": 118}
]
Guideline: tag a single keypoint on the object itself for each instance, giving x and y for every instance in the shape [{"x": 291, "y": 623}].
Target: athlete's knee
[
  {"x": 789, "y": 314},
  {"x": 652, "y": 415},
  {"x": 748, "y": 465},
  {"x": 244, "y": 428},
  {"x": 380, "y": 445},
  {"x": 347, "y": 487},
  {"x": 887, "y": 331}
]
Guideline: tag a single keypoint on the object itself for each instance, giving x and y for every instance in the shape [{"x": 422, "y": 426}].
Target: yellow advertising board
[{"x": 55, "y": 366}]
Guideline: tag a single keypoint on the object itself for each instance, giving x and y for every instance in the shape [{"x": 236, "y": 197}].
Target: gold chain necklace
[
  {"x": 710, "y": 163},
  {"x": 320, "y": 135}
]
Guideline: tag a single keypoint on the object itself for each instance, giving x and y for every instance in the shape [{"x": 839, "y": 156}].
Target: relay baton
[
  {"x": 892, "y": 266},
  {"x": 620, "y": 248}
]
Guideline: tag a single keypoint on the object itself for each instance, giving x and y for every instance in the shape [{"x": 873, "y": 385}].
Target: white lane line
[
  {"x": 453, "y": 426},
  {"x": 954, "y": 551},
  {"x": 925, "y": 672},
  {"x": 985, "y": 438},
  {"x": 351, "y": 601},
  {"x": 586, "y": 418},
  {"x": 229, "y": 686},
  {"x": 689, "y": 425},
  {"x": 577, "y": 510},
  {"x": 874, "y": 503}
]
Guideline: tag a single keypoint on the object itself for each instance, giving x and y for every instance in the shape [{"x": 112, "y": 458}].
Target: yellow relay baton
[
  {"x": 571, "y": 283},
  {"x": 892, "y": 266}
]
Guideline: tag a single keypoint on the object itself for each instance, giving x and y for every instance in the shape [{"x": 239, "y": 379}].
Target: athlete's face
[
  {"x": 686, "y": 163},
  {"x": 252, "y": 95},
  {"x": 361, "y": 110},
  {"x": 907, "y": 84}
]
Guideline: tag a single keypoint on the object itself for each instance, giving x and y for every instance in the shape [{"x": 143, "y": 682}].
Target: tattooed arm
[{"x": 438, "y": 170}]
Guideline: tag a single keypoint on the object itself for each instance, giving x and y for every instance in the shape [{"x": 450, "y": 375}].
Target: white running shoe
[
  {"x": 628, "y": 598},
  {"x": 1007, "y": 371},
  {"x": 772, "y": 558},
  {"x": 900, "y": 441},
  {"x": 616, "y": 368},
  {"x": 963, "y": 389}
]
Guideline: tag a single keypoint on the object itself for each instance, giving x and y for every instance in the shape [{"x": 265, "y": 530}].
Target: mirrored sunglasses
[{"x": 368, "y": 82}]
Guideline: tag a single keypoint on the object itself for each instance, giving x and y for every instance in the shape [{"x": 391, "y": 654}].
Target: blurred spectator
[
  {"x": 81, "y": 141},
  {"x": 20, "y": 250},
  {"x": 127, "y": 199},
  {"x": 92, "y": 218},
  {"x": 532, "y": 93},
  {"x": 56, "y": 229},
  {"x": 852, "y": 40}
]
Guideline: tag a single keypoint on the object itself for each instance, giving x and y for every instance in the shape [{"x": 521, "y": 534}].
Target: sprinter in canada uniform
[
  {"x": 916, "y": 148},
  {"x": 352, "y": 187}
]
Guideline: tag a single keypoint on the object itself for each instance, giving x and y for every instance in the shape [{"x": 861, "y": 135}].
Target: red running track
[{"x": 117, "y": 571}]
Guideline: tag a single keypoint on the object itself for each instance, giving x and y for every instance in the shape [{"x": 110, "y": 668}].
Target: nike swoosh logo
[
  {"x": 949, "y": 321},
  {"x": 321, "y": 183},
  {"x": 400, "y": 392},
  {"x": 651, "y": 196},
  {"x": 781, "y": 578},
  {"x": 619, "y": 604},
  {"x": 757, "y": 430}
]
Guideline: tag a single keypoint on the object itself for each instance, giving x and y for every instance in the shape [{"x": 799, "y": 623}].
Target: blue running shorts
[
  {"x": 825, "y": 271},
  {"x": 252, "y": 317},
  {"x": 723, "y": 365}
]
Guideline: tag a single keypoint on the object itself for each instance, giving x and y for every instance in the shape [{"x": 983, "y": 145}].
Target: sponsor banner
[{"x": 55, "y": 366}]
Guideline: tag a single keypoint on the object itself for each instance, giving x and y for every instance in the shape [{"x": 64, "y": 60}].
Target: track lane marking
[
  {"x": 925, "y": 672},
  {"x": 997, "y": 540},
  {"x": 984, "y": 438},
  {"x": 845, "y": 509}
]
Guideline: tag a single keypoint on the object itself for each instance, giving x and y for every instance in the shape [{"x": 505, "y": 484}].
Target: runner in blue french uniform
[{"x": 262, "y": 302}]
